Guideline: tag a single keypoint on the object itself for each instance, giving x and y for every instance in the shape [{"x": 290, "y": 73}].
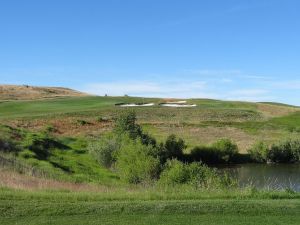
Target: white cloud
[
  {"x": 291, "y": 84},
  {"x": 249, "y": 92},
  {"x": 209, "y": 72},
  {"x": 176, "y": 89},
  {"x": 252, "y": 95}
]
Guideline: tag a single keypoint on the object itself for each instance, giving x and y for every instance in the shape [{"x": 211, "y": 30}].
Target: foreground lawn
[
  {"x": 68, "y": 208},
  {"x": 157, "y": 218}
]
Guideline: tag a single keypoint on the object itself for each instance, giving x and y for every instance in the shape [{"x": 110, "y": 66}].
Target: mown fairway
[{"x": 31, "y": 208}]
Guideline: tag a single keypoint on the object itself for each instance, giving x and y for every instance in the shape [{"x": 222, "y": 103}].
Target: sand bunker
[
  {"x": 178, "y": 105},
  {"x": 135, "y": 104}
]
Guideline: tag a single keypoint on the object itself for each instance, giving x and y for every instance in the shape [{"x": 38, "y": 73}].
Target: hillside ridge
[{"x": 27, "y": 92}]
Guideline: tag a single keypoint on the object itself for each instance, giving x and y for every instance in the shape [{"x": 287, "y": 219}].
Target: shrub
[
  {"x": 135, "y": 162},
  {"x": 222, "y": 151},
  {"x": 282, "y": 152},
  {"x": 259, "y": 152},
  {"x": 7, "y": 145},
  {"x": 104, "y": 151},
  {"x": 173, "y": 148},
  {"x": 174, "y": 173},
  {"x": 126, "y": 123},
  {"x": 205, "y": 154},
  {"x": 287, "y": 151},
  {"x": 82, "y": 122},
  {"x": 227, "y": 149},
  {"x": 195, "y": 174},
  {"x": 50, "y": 129},
  {"x": 295, "y": 145}
]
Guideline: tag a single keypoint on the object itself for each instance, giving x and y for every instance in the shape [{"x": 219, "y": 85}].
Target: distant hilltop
[{"x": 26, "y": 92}]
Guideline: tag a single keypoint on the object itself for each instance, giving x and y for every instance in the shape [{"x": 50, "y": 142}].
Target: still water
[{"x": 266, "y": 176}]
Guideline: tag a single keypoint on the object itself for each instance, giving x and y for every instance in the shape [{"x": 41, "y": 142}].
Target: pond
[{"x": 266, "y": 176}]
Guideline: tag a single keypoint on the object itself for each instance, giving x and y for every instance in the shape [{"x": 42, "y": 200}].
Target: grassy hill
[
  {"x": 69, "y": 186},
  {"x": 243, "y": 122},
  {"x": 26, "y": 92}
]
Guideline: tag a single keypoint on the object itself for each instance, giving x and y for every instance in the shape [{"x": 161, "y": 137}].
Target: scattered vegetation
[
  {"x": 282, "y": 152},
  {"x": 222, "y": 151}
]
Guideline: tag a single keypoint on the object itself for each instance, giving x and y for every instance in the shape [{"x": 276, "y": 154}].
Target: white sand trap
[
  {"x": 137, "y": 105},
  {"x": 178, "y": 102},
  {"x": 178, "y": 105}
]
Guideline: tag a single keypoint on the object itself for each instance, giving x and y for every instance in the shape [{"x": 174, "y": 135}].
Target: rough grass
[{"x": 243, "y": 122}]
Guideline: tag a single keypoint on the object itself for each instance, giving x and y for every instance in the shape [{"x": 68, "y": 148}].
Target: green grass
[
  {"x": 39, "y": 108},
  {"x": 20, "y": 207},
  {"x": 249, "y": 122},
  {"x": 68, "y": 161}
]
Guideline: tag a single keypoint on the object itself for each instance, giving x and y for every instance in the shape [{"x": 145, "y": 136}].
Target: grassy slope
[
  {"x": 212, "y": 119},
  {"x": 68, "y": 161},
  {"x": 18, "y": 92},
  {"x": 67, "y": 208},
  {"x": 243, "y": 122}
]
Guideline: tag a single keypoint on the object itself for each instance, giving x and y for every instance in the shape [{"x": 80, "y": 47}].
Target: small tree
[
  {"x": 105, "y": 150},
  {"x": 173, "y": 148},
  {"x": 126, "y": 123}
]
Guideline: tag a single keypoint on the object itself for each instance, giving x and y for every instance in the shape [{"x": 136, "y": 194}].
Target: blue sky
[{"x": 233, "y": 49}]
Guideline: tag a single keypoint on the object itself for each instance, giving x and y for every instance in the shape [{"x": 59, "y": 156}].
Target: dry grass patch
[
  {"x": 269, "y": 110},
  {"x": 25, "y": 92},
  {"x": 24, "y": 182}
]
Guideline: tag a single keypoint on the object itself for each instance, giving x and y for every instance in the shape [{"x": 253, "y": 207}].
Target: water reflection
[{"x": 266, "y": 176}]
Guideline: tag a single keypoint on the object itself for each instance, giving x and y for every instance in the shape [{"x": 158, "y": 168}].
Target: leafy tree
[{"x": 126, "y": 123}]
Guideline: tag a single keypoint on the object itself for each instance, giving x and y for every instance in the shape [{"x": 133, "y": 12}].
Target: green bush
[
  {"x": 126, "y": 124},
  {"x": 173, "y": 148},
  {"x": 227, "y": 149},
  {"x": 259, "y": 152},
  {"x": 222, "y": 151},
  {"x": 205, "y": 154},
  {"x": 82, "y": 122},
  {"x": 104, "y": 150},
  {"x": 195, "y": 174},
  {"x": 282, "y": 152},
  {"x": 7, "y": 145},
  {"x": 135, "y": 162}
]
